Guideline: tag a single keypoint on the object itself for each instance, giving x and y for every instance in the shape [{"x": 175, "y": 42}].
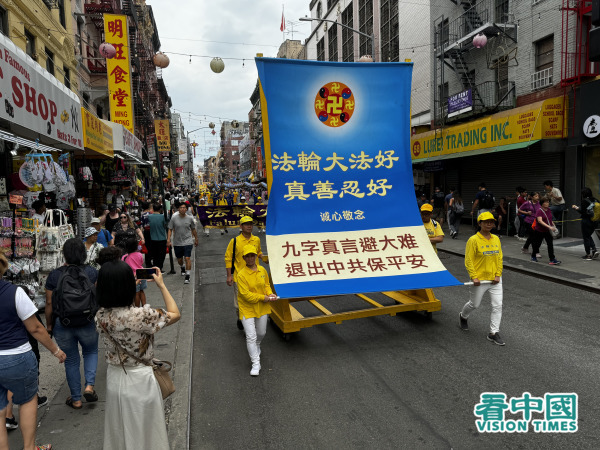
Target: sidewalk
[
  {"x": 66, "y": 428},
  {"x": 573, "y": 271}
]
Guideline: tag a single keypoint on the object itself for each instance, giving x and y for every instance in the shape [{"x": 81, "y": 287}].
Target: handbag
[{"x": 160, "y": 368}]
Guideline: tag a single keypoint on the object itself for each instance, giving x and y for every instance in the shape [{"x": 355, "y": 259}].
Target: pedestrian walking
[
  {"x": 70, "y": 309},
  {"x": 158, "y": 237},
  {"x": 542, "y": 228},
  {"x": 434, "y": 229},
  {"x": 135, "y": 260},
  {"x": 483, "y": 261},
  {"x": 588, "y": 225},
  {"x": 18, "y": 364},
  {"x": 529, "y": 209},
  {"x": 182, "y": 234},
  {"x": 254, "y": 295},
  {"x": 456, "y": 209},
  {"x": 134, "y": 413},
  {"x": 234, "y": 258}
]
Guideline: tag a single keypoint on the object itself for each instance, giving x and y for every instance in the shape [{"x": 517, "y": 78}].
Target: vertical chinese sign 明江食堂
[
  {"x": 342, "y": 215},
  {"x": 118, "y": 71}
]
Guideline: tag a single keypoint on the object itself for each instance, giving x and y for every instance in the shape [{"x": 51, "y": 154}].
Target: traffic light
[{"x": 594, "y": 50}]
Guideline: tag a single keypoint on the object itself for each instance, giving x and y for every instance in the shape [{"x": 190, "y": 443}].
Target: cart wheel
[{"x": 428, "y": 316}]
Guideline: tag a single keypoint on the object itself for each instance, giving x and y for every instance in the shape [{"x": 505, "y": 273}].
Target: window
[
  {"x": 3, "y": 21},
  {"x": 365, "y": 25},
  {"x": 321, "y": 50},
  {"x": 30, "y": 44},
  {"x": 49, "y": 61},
  {"x": 67, "y": 77},
  {"x": 333, "y": 43},
  {"x": 347, "y": 35},
  {"x": 389, "y": 31},
  {"x": 544, "y": 53}
]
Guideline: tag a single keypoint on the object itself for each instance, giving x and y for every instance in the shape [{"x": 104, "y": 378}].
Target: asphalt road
[{"x": 391, "y": 382}]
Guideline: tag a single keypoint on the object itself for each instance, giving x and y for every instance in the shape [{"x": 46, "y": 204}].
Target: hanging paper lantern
[
  {"x": 107, "y": 50},
  {"x": 217, "y": 65},
  {"x": 365, "y": 58},
  {"x": 161, "y": 60},
  {"x": 480, "y": 40}
]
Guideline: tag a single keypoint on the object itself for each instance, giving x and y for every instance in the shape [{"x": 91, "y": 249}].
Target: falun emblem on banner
[{"x": 334, "y": 104}]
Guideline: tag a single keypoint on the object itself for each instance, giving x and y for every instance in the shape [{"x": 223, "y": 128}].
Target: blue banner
[{"x": 342, "y": 211}]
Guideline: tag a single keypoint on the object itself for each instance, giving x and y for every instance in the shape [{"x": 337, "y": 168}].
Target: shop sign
[
  {"x": 163, "y": 136},
  {"x": 591, "y": 127},
  {"x": 460, "y": 103},
  {"x": 541, "y": 120},
  {"x": 34, "y": 99},
  {"x": 118, "y": 71},
  {"x": 96, "y": 135},
  {"x": 183, "y": 150}
]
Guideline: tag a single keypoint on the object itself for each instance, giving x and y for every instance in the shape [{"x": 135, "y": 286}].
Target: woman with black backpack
[
  {"x": 586, "y": 209},
  {"x": 70, "y": 310}
]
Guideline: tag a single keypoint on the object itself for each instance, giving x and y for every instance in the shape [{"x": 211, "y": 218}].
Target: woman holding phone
[{"x": 134, "y": 413}]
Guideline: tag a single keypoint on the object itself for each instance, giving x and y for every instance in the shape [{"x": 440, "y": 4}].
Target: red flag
[{"x": 282, "y": 27}]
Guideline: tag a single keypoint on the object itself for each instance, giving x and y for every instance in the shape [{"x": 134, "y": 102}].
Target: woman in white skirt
[{"x": 134, "y": 416}]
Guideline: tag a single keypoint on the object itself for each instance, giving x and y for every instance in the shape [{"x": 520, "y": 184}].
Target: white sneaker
[{"x": 255, "y": 370}]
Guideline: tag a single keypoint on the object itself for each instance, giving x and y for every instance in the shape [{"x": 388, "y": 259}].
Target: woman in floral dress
[{"x": 134, "y": 416}]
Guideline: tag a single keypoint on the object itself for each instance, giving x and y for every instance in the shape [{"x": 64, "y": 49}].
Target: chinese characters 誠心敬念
[{"x": 405, "y": 260}]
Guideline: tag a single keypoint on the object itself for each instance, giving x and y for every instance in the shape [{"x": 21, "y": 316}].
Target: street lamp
[{"x": 369, "y": 36}]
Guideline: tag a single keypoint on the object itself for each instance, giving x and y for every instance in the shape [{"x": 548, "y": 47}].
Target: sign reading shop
[{"x": 32, "y": 98}]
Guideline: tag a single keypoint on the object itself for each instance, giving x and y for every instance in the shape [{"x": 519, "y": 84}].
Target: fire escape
[
  {"x": 452, "y": 50},
  {"x": 575, "y": 65}
]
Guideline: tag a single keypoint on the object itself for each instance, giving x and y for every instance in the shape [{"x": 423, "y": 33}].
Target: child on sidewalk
[{"x": 135, "y": 260}]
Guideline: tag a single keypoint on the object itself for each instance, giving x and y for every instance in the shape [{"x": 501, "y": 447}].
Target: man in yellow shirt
[
  {"x": 235, "y": 262},
  {"x": 254, "y": 295},
  {"x": 433, "y": 228},
  {"x": 483, "y": 260}
]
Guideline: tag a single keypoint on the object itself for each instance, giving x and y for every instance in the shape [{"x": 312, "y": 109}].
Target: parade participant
[
  {"x": 221, "y": 201},
  {"x": 158, "y": 234},
  {"x": 134, "y": 413},
  {"x": 135, "y": 260},
  {"x": 104, "y": 237},
  {"x": 587, "y": 225},
  {"x": 541, "y": 232},
  {"x": 234, "y": 257},
  {"x": 92, "y": 247},
  {"x": 483, "y": 260},
  {"x": 182, "y": 230},
  {"x": 434, "y": 229},
  {"x": 125, "y": 230},
  {"x": 70, "y": 338},
  {"x": 18, "y": 365},
  {"x": 254, "y": 295},
  {"x": 112, "y": 217}
]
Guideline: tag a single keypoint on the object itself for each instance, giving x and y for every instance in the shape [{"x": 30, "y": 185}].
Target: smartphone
[{"x": 144, "y": 274}]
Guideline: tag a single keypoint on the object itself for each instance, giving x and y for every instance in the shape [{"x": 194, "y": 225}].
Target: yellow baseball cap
[
  {"x": 427, "y": 207},
  {"x": 249, "y": 249},
  {"x": 246, "y": 219},
  {"x": 485, "y": 216}
]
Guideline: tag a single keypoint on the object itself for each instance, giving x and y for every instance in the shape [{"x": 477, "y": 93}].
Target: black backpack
[
  {"x": 487, "y": 201},
  {"x": 74, "y": 299}
]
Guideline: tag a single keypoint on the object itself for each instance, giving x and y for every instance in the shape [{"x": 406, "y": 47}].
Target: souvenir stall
[{"x": 40, "y": 127}]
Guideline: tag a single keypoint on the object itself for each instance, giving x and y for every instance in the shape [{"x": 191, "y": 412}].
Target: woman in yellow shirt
[
  {"x": 254, "y": 295},
  {"x": 483, "y": 260}
]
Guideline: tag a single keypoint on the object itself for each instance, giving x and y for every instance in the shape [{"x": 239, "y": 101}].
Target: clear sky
[{"x": 228, "y": 29}]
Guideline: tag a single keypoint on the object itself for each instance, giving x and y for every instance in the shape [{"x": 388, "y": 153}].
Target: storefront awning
[{"x": 481, "y": 151}]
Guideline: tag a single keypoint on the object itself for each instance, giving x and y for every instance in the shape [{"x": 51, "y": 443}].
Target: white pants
[
  {"x": 476, "y": 294},
  {"x": 255, "y": 329}
]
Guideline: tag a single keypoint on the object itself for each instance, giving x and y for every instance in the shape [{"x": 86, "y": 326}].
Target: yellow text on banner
[
  {"x": 358, "y": 254},
  {"x": 163, "y": 136},
  {"x": 118, "y": 71}
]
